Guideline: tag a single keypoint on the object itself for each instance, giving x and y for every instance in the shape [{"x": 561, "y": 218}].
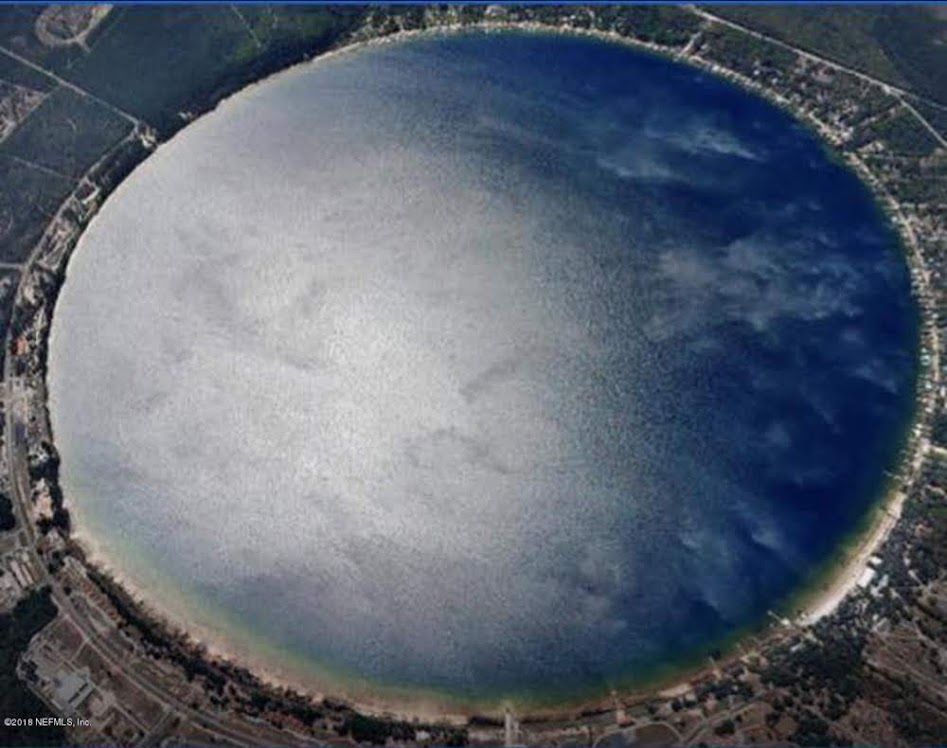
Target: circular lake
[{"x": 489, "y": 365}]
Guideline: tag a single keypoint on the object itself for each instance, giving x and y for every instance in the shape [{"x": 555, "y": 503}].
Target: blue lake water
[{"x": 493, "y": 365}]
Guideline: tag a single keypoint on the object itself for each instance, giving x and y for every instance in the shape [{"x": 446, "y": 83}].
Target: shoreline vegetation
[{"x": 820, "y": 598}]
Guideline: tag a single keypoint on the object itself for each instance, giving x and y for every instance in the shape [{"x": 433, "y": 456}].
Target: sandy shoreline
[
  {"x": 817, "y": 603},
  {"x": 844, "y": 579},
  {"x": 368, "y": 698}
]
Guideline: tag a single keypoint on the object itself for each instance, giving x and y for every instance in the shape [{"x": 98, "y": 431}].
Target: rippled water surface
[{"x": 490, "y": 364}]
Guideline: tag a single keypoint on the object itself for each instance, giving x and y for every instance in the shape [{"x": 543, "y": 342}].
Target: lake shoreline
[{"x": 817, "y": 603}]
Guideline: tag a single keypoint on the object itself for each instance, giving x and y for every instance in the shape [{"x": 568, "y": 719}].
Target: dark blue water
[{"x": 618, "y": 357}]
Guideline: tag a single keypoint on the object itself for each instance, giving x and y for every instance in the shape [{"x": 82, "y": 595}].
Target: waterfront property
[{"x": 523, "y": 396}]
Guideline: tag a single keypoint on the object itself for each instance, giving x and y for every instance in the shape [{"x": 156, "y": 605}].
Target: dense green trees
[
  {"x": 7, "y": 519},
  {"x": 16, "y": 700}
]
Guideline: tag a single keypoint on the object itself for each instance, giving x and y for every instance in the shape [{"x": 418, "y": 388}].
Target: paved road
[
  {"x": 889, "y": 88},
  {"x": 71, "y": 86}
]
